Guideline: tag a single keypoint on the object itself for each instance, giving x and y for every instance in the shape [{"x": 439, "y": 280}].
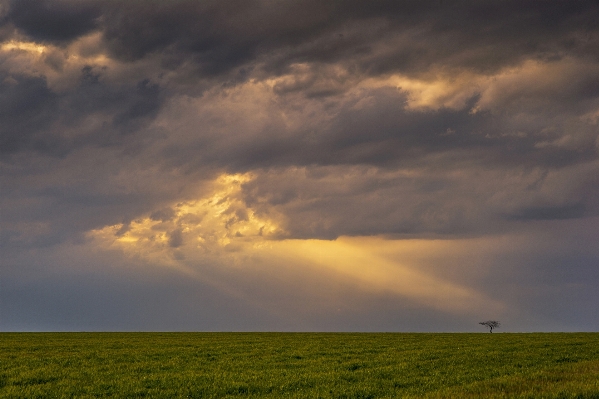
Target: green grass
[{"x": 283, "y": 365}]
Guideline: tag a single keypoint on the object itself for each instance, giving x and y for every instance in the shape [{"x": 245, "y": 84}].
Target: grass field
[{"x": 290, "y": 365}]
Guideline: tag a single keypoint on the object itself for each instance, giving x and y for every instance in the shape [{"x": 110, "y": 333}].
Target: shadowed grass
[{"x": 302, "y": 365}]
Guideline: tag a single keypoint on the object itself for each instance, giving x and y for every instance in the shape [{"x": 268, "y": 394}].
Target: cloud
[
  {"x": 28, "y": 106},
  {"x": 283, "y": 158},
  {"x": 53, "y": 21},
  {"x": 382, "y": 37}
]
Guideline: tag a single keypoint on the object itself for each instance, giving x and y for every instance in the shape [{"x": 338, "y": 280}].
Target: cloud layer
[{"x": 374, "y": 165}]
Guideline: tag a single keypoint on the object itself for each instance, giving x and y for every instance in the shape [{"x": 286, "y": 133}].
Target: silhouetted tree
[{"x": 491, "y": 324}]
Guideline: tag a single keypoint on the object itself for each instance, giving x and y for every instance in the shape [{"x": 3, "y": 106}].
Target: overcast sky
[{"x": 299, "y": 165}]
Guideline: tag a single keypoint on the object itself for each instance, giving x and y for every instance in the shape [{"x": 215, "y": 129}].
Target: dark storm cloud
[
  {"x": 36, "y": 118},
  {"x": 53, "y": 21},
  {"x": 481, "y": 35},
  {"x": 219, "y": 36},
  {"x": 125, "y": 107},
  {"x": 180, "y": 29},
  {"x": 386, "y": 133},
  {"x": 260, "y": 38},
  {"x": 27, "y": 107},
  {"x": 324, "y": 203},
  {"x": 487, "y": 35},
  {"x": 327, "y": 203}
]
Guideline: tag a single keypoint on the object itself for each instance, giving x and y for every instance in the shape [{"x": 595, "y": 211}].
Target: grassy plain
[{"x": 298, "y": 365}]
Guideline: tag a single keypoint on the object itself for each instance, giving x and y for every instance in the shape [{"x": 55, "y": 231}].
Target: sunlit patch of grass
[{"x": 274, "y": 365}]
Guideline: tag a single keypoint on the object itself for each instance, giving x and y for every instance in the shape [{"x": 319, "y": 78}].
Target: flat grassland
[{"x": 299, "y": 365}]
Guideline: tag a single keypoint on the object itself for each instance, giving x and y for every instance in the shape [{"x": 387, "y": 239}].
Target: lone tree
[{"x": 491, "y": 324}]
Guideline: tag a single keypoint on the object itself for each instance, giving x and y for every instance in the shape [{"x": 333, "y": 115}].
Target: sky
[{"x": 299, "y": 165}]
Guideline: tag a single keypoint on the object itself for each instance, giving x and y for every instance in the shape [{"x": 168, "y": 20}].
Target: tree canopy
[{"x": 491, "y": 324}]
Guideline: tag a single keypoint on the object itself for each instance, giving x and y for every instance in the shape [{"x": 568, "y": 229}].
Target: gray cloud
[
  {"x": 550, "y": 213},
  {"x": 472, "y": 34},
  {"x": 384, "y": 133},
  {"x": 176, "y": 238},
  {"x": 329, "y": 201},
  {"x": 35, "y": 118},
  {"x": 219, "y": 36},
  {"x": 28, "y": 107},
  {"x": 259, "y": 39},
  {"x": 55, "y": 21}
]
